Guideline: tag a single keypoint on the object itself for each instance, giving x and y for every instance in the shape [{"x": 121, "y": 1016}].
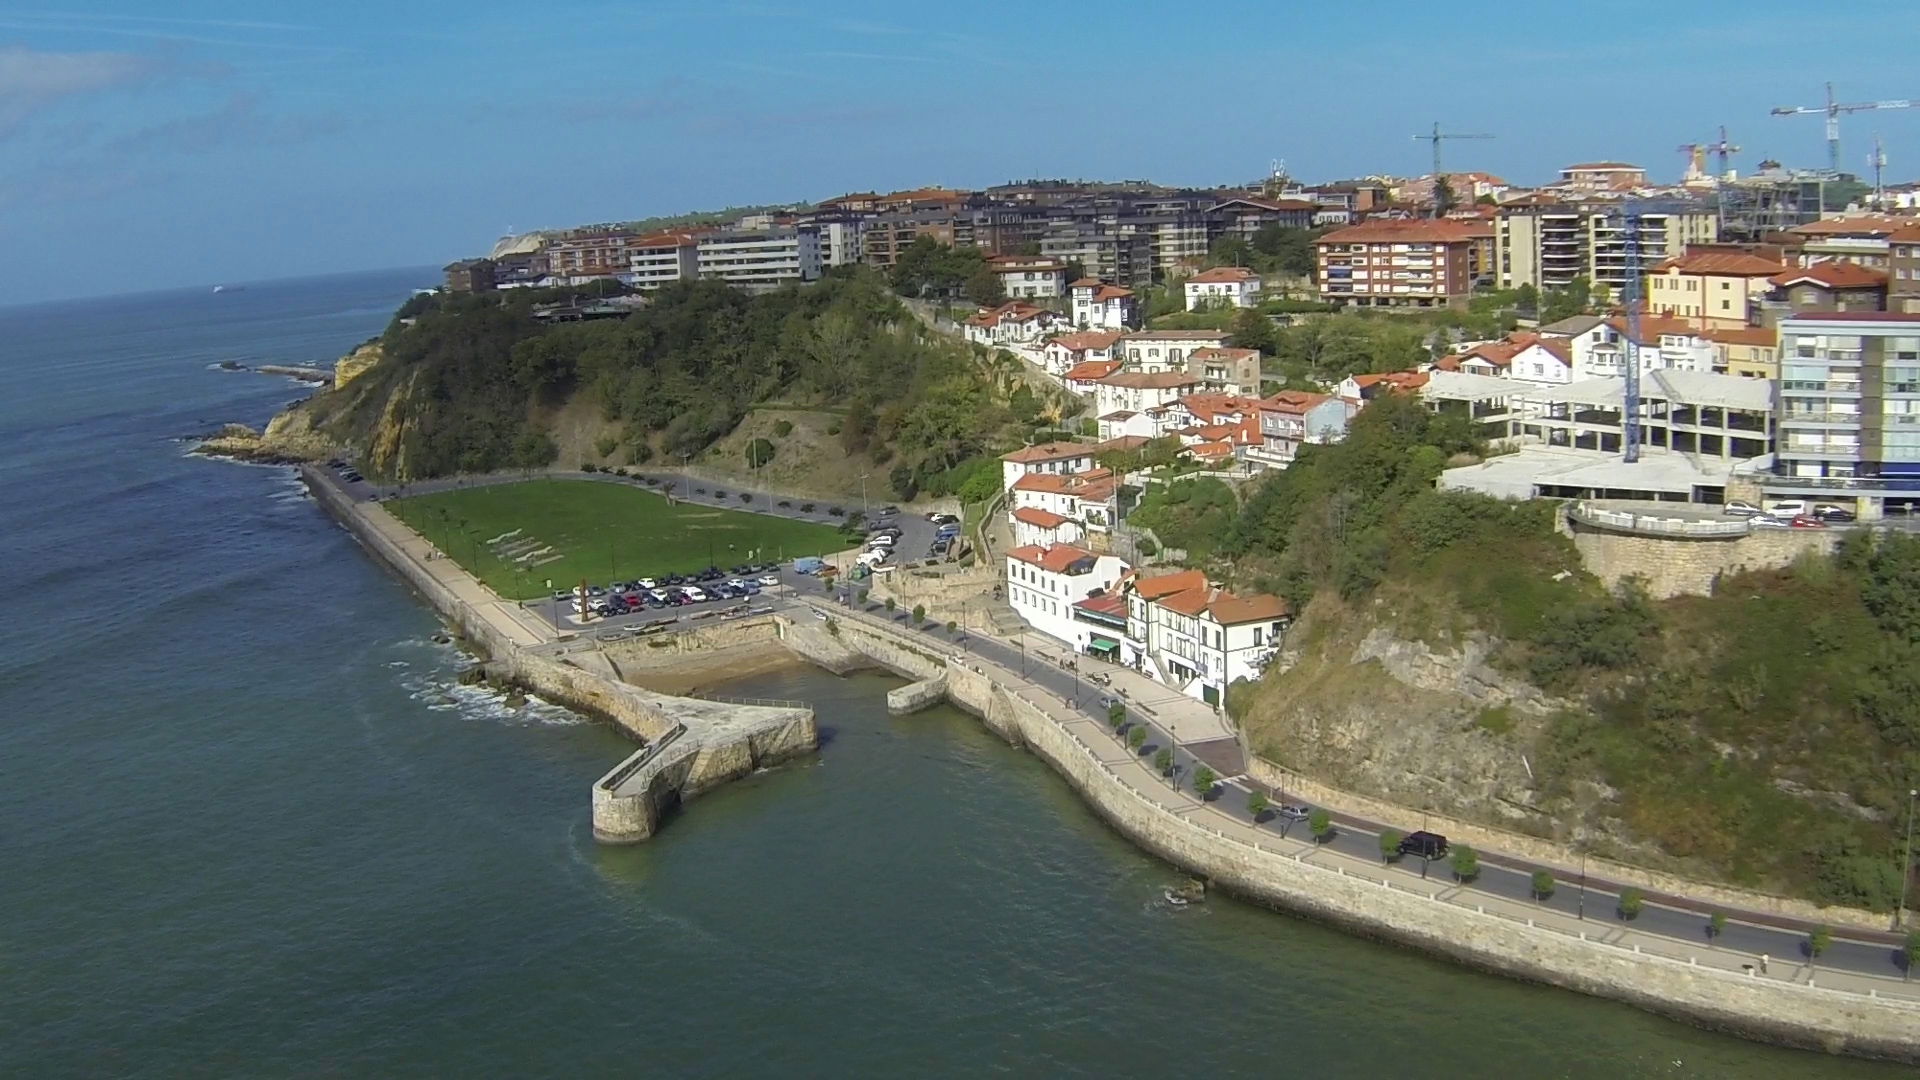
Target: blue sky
[{"x": 146, "y": 145}]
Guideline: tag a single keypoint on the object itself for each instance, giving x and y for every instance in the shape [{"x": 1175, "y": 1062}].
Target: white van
[
  {"x": 882, "y": 540},
  {"x": 1787, "y": 507}
]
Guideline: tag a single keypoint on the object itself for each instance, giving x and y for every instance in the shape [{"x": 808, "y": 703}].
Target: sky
[{"x": 160, "y": 143}]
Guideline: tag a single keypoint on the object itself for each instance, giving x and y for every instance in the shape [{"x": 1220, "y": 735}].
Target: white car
[
  {"x": 695, "y": 593},
  {"x": 1766, "y": 521},
  {"x": 882, "y": 540},
  {"x": 1787, "y": 508},
  {"x": 646, "y": 583},
  {"x": 1740, "y": 508},
  {"x": 770, "y": 580}
]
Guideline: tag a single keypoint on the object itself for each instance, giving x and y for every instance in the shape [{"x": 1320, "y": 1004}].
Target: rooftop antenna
[
  {"x": 1879, "y": 163},
  {"x": 1436, "y": 138}
]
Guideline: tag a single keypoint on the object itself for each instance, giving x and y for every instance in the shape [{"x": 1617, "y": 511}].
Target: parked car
[
  {"x": 889, "y": 511},
  {"x": 1765, "y": 521},
  {"x": 563, "y": 594},
  {"x": 882, "y": 540},
  {"x": 595, "y": 590},
  {"x": 646, "y": 583},
  {"x": 786, "y": 504},
  {"x": 616, "y": 586},
  {"x": 695, "y": 594},
  {"x": 1830, "y": 513},
  {"x": 1741, "y": 508},
  {"x": 1293, "y": 811},
  {"x": 942, "y": 519},
  {"x": 1424, "y": 845},
  {"x": 1807, "y": 521},
  {"x": 1786, "y": 508}
]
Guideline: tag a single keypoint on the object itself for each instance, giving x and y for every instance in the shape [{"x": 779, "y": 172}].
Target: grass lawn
[{"x": 602, "y": 532}]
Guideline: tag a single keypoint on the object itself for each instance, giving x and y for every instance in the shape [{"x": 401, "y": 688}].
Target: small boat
[{"x": 219, "y": 288}]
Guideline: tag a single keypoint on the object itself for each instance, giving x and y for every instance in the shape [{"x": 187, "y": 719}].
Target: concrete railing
[
  {"x": 626, "y": 770},
  {"x": 1651, "y": 525}
]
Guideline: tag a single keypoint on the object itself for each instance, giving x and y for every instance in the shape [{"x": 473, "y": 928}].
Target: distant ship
[
  {"x": 219, "y": 288},
  {"x": 226, "y": 288}
]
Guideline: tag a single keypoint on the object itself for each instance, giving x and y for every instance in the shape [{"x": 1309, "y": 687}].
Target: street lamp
[
  {"x": 1906, "y": 864},
  {"x": 864, "y": 507},
  {"x": 1583, "y": 883},
  {"x": 1173, "y": 744}
]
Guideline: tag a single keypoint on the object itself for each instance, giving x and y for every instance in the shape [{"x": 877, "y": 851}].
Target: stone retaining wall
[{"x": 1687, "y": 566}]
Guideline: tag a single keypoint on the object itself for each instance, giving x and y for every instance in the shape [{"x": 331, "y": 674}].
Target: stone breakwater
[
  {"x": 689, "y": 745},
  {"x": 1768, "y": 1010}
]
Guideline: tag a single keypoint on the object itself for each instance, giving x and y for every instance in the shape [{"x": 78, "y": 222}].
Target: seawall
[
  {"x": 689, "y": 745},
  {"x": 1425, "y": 917}
]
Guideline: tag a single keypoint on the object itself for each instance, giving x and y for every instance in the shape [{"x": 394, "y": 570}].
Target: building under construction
[{"x": 1774, "y": 200}]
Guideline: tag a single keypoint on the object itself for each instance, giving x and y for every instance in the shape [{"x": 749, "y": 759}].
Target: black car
[
  {"x": 1424, "y": 845},
  {"x": 1834, "y": 513},
  {"x": 673, "y": 579},
  {"x": 888, "y": 511},
  {"x": 743, "y": 569}
]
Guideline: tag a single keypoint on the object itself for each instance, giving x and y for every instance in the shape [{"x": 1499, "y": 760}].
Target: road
[{"x": 1596, "y": 900}]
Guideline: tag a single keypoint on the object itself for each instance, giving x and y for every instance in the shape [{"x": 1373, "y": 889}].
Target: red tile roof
[
  {"x": 1855, "y": 225},
  {"x": 1045, "y": 519},
  {"x": 1151, "y": 588},
  {"x": 1834, "y": 274},
  {"x": 1091, "y": 370},
  {"x": 1223, "y": 275},
  {"x": 1223, "y": 352},
  {"x": 1150, "y": 380},
  {"x": 1051, "y": 451},
  {"x": 1112, "y": 605},
  {"x": 1723, "y": 263},
  {"x": 1088, "y": 339},
  {"x": 1746, "y": 335},
  {"x": 1056, "y": 559},
  {"x": 1224, "y": 607},
  {"x": 1093, "y": 485}
]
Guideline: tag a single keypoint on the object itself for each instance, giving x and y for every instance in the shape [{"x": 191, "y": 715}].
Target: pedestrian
[{"x": 1763, "y": 963}]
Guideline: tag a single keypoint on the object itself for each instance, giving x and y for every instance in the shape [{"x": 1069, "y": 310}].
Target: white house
[
  {"x": 1029, "y": 276},
  {"x": 1100, "y": 306},
  {"x": 1166, "y": 350},
  {"x": 1126, "y": 423},
  {"x": 1223, "y": 286},
  {"x": 1544, "y": 361},
  {"x": 1291, "y": 419},
  {"x": 1043, "y": 584},
  {"x": 1196, "y": 638},
  {"x": 1044, "y": 528},
  {"x": 1015, "y": 322},
  {"x": 1085, "y": 378},
  {"x": 1599, "y": 348},
  {"x": 1054, "y": 458},
  {"x": 1066, "y": 351},
  {"x": 1138, "y": 391},
  {"x": 1086, "y": 497}
]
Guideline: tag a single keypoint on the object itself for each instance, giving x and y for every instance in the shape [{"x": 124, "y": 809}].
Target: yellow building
[
  {"x": 1751, "y": 352},
  {"x": 1712, "y": 290}
]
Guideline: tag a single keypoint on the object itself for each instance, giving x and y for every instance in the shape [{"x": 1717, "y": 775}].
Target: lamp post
[
  {"x": 1173, "y": 744},
  {"x": 864, "y": 507},
  {"x": 1906, "y": 863},
  {"x": 1583, "y": 883}
]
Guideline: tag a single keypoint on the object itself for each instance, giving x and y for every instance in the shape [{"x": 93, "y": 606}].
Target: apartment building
[
  {"x": 663, "y": 258},
  {"x": 1129, "y": 391},
  {"x": 1603, "y": 176},
  {"x": 1165, "y": 350},
  {"x": 1903, "y": 269},
  {"x": 1711, "y": 290},
  {"x": 1246, "y": 215},
  {"x": 1029, "y": 276},
  {"x": 1223, "y": 286},
  {"x": 1848, "y": 412},
  {"x": 1103, "y": 252},
  {"x": 1068, "y": 351},
  {"x": 1401, "y": 263},
  {"x": 841, "y": 240},
  {"x": 1860, "y": 238},
  {"x": 470, "y": 275},
  {"x": 1044, "y": 528},
  {"x": 1547, "y": 243},
  {"x": 760, "y": 260},
  {"x": 885, "y": 237},
  {"x": 1043, "y": 584},
  {"x": 590, "y": 255},
  {"x": 1087, "y": 498},
  {"x": 1197, "y": 638},
  {"x": 1833, "y": 285}
]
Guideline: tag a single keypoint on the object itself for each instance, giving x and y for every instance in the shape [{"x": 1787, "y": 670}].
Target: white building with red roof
[
  {"x": 1138, "y": 391},
  {"x": 1291, "y": 419},
  {"x": 1534, "y": 358},
  {"x": 1051, "y": 458},
  {"x": 1045, "y": 582},
  {"x": 1027, "y": 277},
  {"x": 1067, "y": 351},
  {"x": 1223, "y": 286},
  {"x": 1013, "y": 323},
  {"x": 1088, "y": 498},
  {"x": 1085, "y": 377},
  {"x": 1032, "y": 525},
  {"x": 1100, "y": 306},
  {"x": 1196, "y": 637}
]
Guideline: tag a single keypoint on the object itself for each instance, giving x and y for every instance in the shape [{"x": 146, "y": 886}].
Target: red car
[{"x": 1804, "y": 521}]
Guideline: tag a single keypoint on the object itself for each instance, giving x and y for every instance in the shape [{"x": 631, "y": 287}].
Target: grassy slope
[{"x": 604, "y": 532}]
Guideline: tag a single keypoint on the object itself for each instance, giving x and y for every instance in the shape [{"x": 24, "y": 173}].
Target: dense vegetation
[
  {"x": 472, "y": 383},
  {"x": 1769, "y": 733}
]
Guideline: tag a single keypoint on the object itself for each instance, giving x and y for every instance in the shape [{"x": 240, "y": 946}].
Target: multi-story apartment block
[
  {"x": 1547, "y": 244},
  {"x": 840, "y": 240},
  {"x": 1103, "y": 251},
  {"x": 1197, "y": 638},
  {"x": 1401, "y": 263},
  {"x": 1138, "y": 391},
  {"x": 1903, "y": 269},
  {"x": 1603, "y": 176},
  {"x": 1833, "y": 285},
  {"x": 1223, "y": 286},
  {"x": 1003, "y": 229},
  {"x": 1848, "y": 415},
  {"x": 1245, "y": 215},
  {"x": 1029, "y": 276},
  {"x": 1859, "y": 238},
  {"x": 1713, "y": 290},
  {"x": 1087, "y": 497},
  {"x": 760, "y": 260},
  {"x": 1043, "y": 584},
  {"x": 470, "y": 275},
  {"x": 653, "y": 261},
  {"x": 884, "y": 238},
  {"x": 1100, "y": 306},
  {"x": 591, "y": 255}
]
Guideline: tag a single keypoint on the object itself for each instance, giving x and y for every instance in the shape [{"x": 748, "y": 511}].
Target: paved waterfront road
[{"x": 1782, "y": 940}]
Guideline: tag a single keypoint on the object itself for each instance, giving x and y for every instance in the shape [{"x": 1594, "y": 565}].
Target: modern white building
[
  {"x": 1100, "y": 306},
  {"x": 1029, "y": 277},
  {"x": 1051, "y": 459},
  {"x": 1043, "y": 584},
  {"x": 662, "y": 259},
  {"x": 839, "y": 242},
  {"x": 761, "y": 260},
  {"x": 1223, "y": 286},
  {"x": 1196, "y": 638},
  {"x": 1044, "y": 528}
]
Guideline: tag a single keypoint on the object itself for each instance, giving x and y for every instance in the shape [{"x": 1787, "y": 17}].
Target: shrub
[
  {"x": 759, "y": 452},
  {"x": 1257, "y": 803},
  {"x": 588, "y": 466},
  {"x": 1163, "y": 760},
  {"x": 1320, "y": 823},
  {"x": 1542, "y": 886},
  {"x": 1819, "y": 940},
  {"x": 1203, "y": 780},
  {"x": 891, "y": 604},
  {"x": 919, "y": 614},
  {"x": 782, "y": 428},
  {"x": 1465, "y": 862},
  {"x": 1631, "y": 901},
  {"x": 1390, "y": 844},
  {"x": 1147, "y": 546},
  {"x": 1116, "y": 713},
  {"x": 1136, "y": 737},
  {"x": 1716, "y": 924},
  {"x": 833, "y": 428},
  {"x": 606, "y": 445}
]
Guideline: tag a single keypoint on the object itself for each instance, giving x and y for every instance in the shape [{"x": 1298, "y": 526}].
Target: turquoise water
[{"x": 250, "y": 827}]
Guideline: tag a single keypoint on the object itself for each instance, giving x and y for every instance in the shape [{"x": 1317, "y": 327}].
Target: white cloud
[{"x": 31, "y": 80}]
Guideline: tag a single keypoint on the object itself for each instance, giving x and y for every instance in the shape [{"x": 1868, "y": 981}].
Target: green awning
[{"x": 1102, "y": 645}]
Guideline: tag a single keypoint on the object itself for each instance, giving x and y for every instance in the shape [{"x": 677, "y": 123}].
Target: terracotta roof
[
  {"x": 1051, "y": 451},
  {"x": 1415, "y": 229},
  {"x": 1746, "y": 335},
  {"x": 1095, "y": 485},
  {"x": 1151, "y": 588},
  {"x": 1045, "y": 519},
  {"x": 1208, "y": 406},
  {"x": 1725, "y": 263},
  {"x": 1855, "y": 225},
  {"x": 1834, "y": 274},
  {"x": 1056, "y": 559},
  {"x": 1223, "y": 352},
  {"x": 1091, "y": 370},
  {"x": 1211, "y": 449},
  {"x": 1653, "y": 327},
  {"x": 1398, "y": 380},
  {"x": 1293, "y": 401},
  {"x": 1223, "y": 275},
  {"x": 1150, "y": 380},
  {"x": 1178, "y": 335},
  {"x": 1224, "y": 607},
  {"x": 1112, "y": 605},
  {"x": 1087, "y": 339}
]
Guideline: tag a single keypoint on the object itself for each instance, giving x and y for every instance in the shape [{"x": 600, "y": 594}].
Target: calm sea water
[{"x": 249, "y": 826}]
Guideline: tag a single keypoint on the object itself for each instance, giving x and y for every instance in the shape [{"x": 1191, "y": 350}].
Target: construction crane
[
  {"x": 1832, "y": 110},
  {"x": 1436, "y": 138}
]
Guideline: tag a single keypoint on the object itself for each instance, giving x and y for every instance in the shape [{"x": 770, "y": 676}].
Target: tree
[
  {"x": 1527, "y": 298},
  {"x": 1442, "y": 195},
  {"x": 1465, "y": 862},
  {"x": 891, "y": 604},
  {"x": 1716, "y": 925},
  {"x": 1116, "y": 713},
  {"x": 951, "y": 627},
  {"x": 1203, "y": 780},
  {"x": 1565, "y": 303},
  {"x": 1136, "y": 737},
  {"x": 1256, "y": 803},
  {"x": 1542, "y": 885},
  {"x": 1912, "y": 954},
  {"x": 1320, "y": 824},
  {"x": 862, "y": 597},
  {"x": 1818, "y": 941},
  {"x": 985, "y": 288},
  {"x": 759, "y": 452},
  {"x": 1251, "y": 330},
  {"x": 1390, "y": 844},
  {"x": 1163, "y": 760},
  {"x": 1631, "y": 901},
  {"x": 919, "y": 614}
]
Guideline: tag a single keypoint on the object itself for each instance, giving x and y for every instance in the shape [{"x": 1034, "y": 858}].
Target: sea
[{"x": 250, "y": 826}]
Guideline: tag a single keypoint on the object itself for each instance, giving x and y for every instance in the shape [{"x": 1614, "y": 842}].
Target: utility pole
[
  {"x": 1906, "y": 863},
  {"x": 1436, "y": 138}
]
